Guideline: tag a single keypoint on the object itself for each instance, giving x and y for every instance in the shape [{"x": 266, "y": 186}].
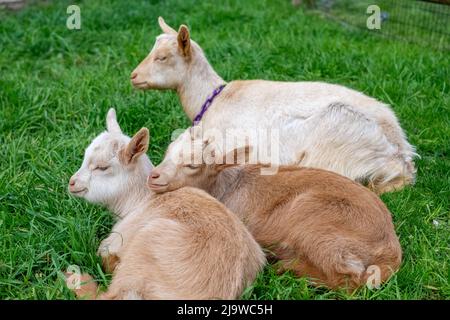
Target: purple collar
[{"x": 207, "y": 104}]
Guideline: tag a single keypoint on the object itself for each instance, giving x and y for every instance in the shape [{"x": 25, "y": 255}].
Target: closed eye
[
  {"x": 192, "y": 166},
  {"x": 161, "y": 58},
  {"x": 102, "y": 168}
]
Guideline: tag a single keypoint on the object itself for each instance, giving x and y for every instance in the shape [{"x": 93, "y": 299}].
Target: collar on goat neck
[
  {"x": 195, "y": 88},
  {"x": 207, "y": 104}
]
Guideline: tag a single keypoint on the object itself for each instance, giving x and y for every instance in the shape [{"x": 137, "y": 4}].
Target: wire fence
[
  {"x": 12, "y": 4},
  {"x": 423, "y": 22}
]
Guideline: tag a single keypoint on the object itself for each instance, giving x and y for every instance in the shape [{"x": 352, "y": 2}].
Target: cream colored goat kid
[
  {"x": 180, "y": 245},
  {"x": 316, "y": 222},
  {"x": 334, "y": 127}
]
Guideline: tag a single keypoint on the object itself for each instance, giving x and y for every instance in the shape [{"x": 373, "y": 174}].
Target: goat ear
[
  {"x": 184, "y": 40},
  {"x": 136, "y": 147},
  {"x": 235, "y": 157},
  {"x": 111, "y": 121},
  {"x": 165, "y": 27}
]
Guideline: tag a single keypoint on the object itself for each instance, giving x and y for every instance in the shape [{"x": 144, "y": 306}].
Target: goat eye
[
  {"x": 102, "y": 168},
  {"x": 192, "y": 166},
  {"x": 161, "y": 58}
]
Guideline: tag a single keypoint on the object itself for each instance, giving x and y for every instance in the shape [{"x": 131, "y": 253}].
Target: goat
[
  {"x": 336, "y": 128},
  {"x": 179, "y": 245},
  {"x": 315, "y": 222}
]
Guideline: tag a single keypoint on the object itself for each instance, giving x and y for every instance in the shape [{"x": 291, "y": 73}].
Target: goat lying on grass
[
  {"x": 179, "y": 245},
  {"x": 317, "y": 223},
  {"x": 334, "y": 127}
]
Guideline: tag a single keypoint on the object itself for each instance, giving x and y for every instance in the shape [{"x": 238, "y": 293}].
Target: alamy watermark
[
  {"x": 374, "y": 20},
  {"x": 374, "y": 278},
  {"x": 73, "y": 21},
  {"x": 73, "y": 277},
  {"x": 232, "y": 146}
]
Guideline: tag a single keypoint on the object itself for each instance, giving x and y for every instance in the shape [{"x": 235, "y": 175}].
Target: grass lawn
[
  {"x": 422, "y": 22},
  {"x": 56, "y": 86}
]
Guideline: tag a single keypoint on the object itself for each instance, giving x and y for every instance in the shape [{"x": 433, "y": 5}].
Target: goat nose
[
  {"x": 72, "y": 182},
  {"x": 155, "y": 175},
  {"x": 133, "y": 75}
]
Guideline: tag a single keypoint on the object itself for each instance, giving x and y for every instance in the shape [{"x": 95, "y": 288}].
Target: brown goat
[{"x": 316, "y": 223}]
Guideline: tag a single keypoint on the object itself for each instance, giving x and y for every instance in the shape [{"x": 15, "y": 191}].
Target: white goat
[
  {"x": 332, "y": 127},
  {"x": 181, "y": 245}
]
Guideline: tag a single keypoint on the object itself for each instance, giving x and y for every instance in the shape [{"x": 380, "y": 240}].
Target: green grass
[
  {"x": 421, "y": 22},
  {"x": 56, "y": 86}
]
